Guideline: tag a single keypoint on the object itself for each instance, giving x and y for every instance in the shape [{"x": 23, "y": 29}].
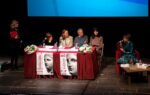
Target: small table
[{"x": 128, "y": 71}]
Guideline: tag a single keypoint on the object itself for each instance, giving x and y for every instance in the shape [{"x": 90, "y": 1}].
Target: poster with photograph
[
  {"x": 44, "y": 63},
  {"x": 68, "y": 64}
]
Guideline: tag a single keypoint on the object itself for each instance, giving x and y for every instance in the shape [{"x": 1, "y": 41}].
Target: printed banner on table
[
  {"x": 68, "y": 64},
  {"x": 44, "y": 65}
]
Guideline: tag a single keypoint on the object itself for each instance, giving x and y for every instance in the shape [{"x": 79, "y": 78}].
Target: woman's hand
[
  {"x": 16, "y": 37},
  {"x": 122, "y": 50},
  {"x": 101, "y": 46}
]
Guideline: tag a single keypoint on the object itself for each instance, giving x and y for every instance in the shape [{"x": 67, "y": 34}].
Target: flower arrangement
[
  {"x": 86, "y": 48},
  {"x": 30, "y": 49}
]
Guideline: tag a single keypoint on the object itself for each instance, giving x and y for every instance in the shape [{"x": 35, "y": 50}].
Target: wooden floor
[{"x": 107, "y": 83}]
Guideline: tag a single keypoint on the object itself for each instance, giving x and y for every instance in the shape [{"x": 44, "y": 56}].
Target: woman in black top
[{"x": 48, "y": 40}]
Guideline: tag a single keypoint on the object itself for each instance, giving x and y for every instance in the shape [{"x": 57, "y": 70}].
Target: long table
[{"x": 87, "y": 65}]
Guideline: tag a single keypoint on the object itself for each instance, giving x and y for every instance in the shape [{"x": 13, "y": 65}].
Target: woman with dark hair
[
  {"x": 65, "y": 39},
  {"x": 48, "y": 40},
  {"x": 15, "y": 43},
  {"x": 96, "y": 40},
  {"x": 127, "y": 48}
]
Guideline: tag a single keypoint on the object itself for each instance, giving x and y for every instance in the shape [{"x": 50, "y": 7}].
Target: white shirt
[{"x": 67, "y": 42}]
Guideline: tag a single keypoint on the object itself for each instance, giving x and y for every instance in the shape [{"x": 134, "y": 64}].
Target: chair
[
  {"x": 102, "y": 51},
  {"x": 118, "y": 55},
  {"x": 101, "y": 58}
]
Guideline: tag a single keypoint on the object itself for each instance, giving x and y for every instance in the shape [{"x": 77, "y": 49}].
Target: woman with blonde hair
[
  {"x": 65, "y": 39},
  {"x": 14, "y": 43}
]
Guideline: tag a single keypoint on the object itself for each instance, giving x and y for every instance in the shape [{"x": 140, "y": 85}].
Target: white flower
[
  {"x": 30, "y": 49},
  {"x": 85, "y": 48},
  {"x": 81, "y": 48},
  {"x": 89, "y": 48},
  {"x": 26, "y": 49}
]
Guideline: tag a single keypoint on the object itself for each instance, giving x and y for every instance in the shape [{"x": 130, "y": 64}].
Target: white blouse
[{"x": 67, "y": 42}]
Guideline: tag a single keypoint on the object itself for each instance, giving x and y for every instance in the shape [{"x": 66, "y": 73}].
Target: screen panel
[{"x": 88, "y": 8}]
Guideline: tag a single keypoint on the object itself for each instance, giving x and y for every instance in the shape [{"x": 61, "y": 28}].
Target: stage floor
[{"x": 106, "y": 83}]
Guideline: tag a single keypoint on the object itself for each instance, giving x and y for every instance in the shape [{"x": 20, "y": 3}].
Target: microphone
[
  {"x": 85, "y": 42},
  {"x": 44, "y": 39}
]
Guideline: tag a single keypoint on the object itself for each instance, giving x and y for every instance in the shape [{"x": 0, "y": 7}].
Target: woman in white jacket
[{"x": 65, "y": 39}]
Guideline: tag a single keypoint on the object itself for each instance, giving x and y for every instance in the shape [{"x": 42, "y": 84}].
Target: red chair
[{"x": 118, "y": 55}]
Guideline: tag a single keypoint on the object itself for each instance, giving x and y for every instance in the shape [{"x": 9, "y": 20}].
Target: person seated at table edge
[
  {"x": 65, "y": 39},
  {"x": 81, "y": 38},
  {"x": 48, "y": 40},
  {"x": 96, "y": 40},
  {"x": 126, "y": 46}
]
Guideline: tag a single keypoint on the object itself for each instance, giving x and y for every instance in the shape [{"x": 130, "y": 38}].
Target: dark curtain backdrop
[{"x": 33, "y": 28}]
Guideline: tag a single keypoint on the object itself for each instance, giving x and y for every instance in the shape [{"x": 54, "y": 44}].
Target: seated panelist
[
  {"x": 81, "y": 38},
  {"x": 48, "y": 40},
  {"x": 65, "y": 39},
  {"x": 127, "y": 48},
  {"x": 96, "y": 40}
]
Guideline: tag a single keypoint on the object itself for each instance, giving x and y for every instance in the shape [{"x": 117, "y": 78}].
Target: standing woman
[
  {"x": 14, "y": 43},
  {"x": 96, "y": 40},
  {"x": 65, "y": 39}
]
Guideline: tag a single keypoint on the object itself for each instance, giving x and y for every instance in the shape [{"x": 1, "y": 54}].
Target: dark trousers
[{"x": 14, "y": 57}]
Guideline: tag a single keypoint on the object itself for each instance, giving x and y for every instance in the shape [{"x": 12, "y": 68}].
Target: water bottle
[
  {"x": 44, "y": 45},
  {"x": 55, "y": 45},
  {"x": 76, "y": 46}
]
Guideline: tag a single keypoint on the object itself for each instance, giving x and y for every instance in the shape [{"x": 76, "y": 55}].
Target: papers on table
[
  {"x": 142, "y": 66},
  {"x": 69, "y": 49},
  {"x": 47, "y": 48},
  {"x": 138, "y": 65},
  {"x": 125, "y": 65}
]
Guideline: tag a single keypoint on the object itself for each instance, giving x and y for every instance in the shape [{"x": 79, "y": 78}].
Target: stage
[{"x": 106, "y": 83}]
